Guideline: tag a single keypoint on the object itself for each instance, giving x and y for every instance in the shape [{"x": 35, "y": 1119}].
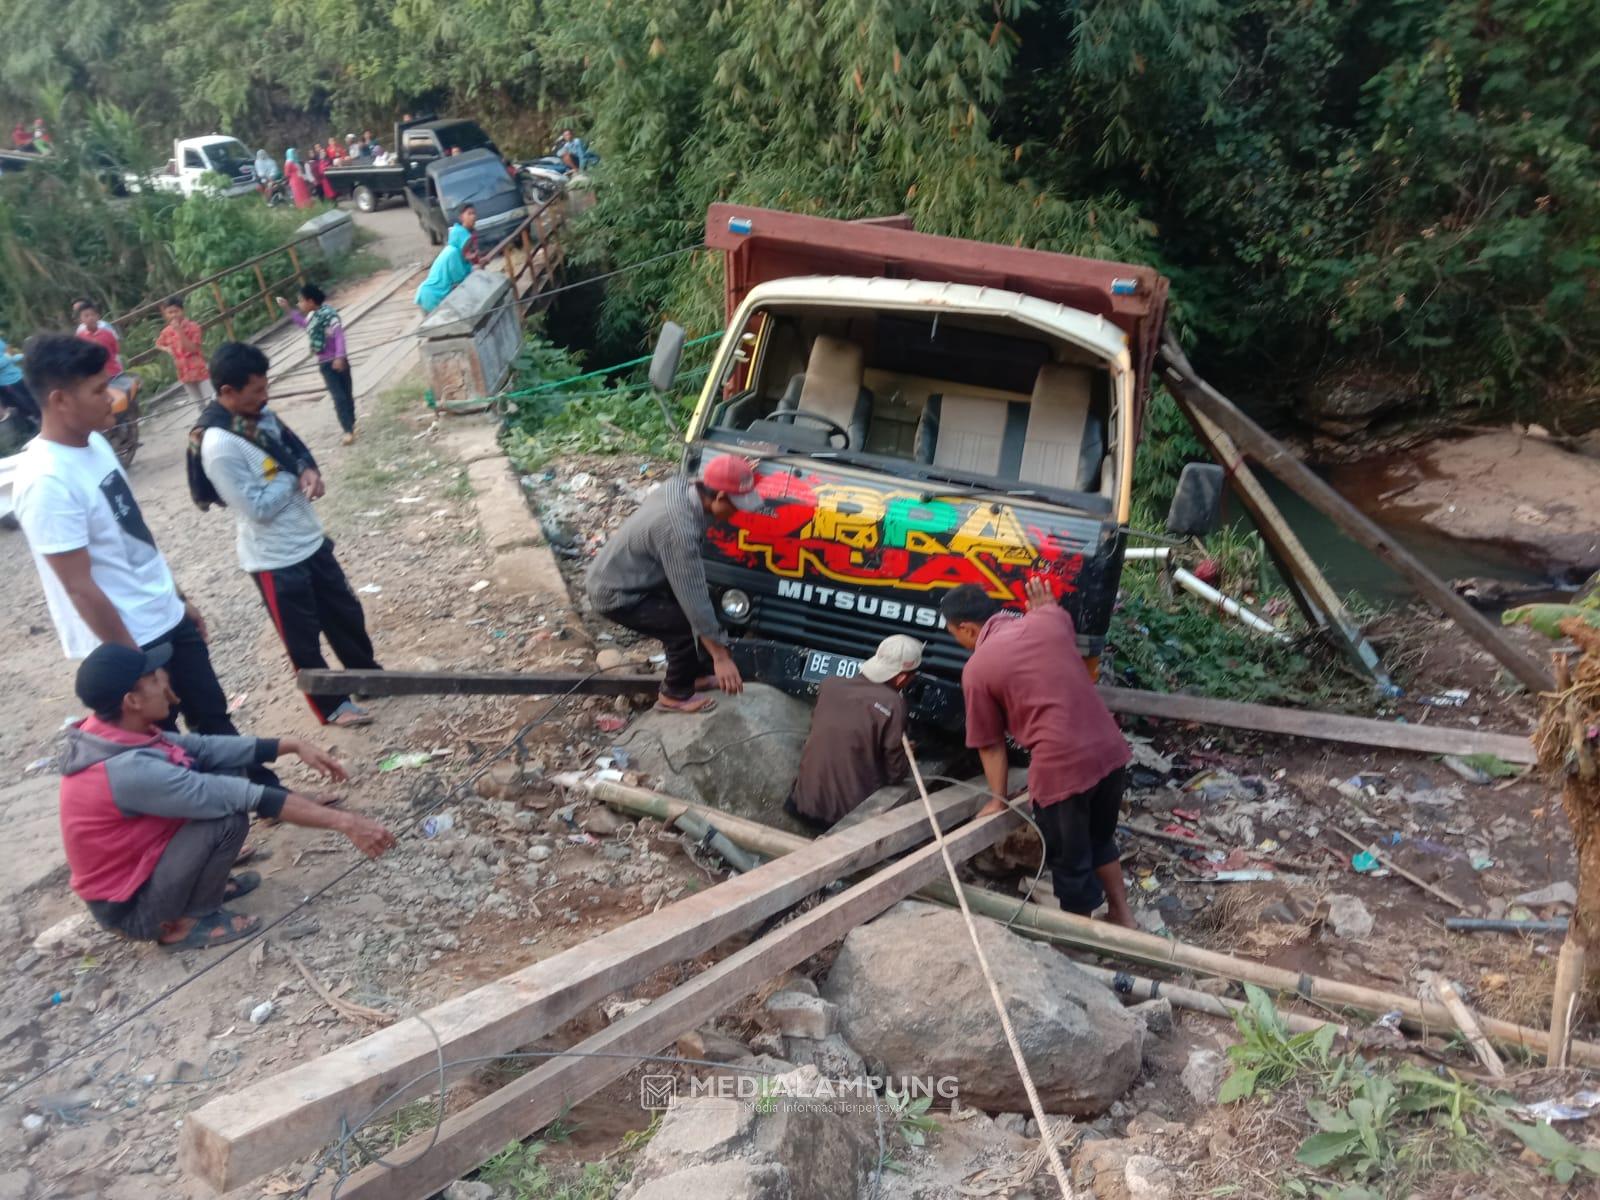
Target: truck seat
[
  {"x": 970, "y": 433},
  {"x": 1058, "y": 438},
  {"x": 831, "y": 387}
]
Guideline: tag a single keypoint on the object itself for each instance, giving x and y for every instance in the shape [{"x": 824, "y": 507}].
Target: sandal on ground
[
  {"x": 215, "y": 929},
  {"x": 241, "y": 884},
  {"x": 348, "y": 715},
  {"x": 694, "y": 704}
]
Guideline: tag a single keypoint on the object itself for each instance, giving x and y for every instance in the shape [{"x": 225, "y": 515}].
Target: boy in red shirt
[
  {"x": 1027, "y": 680},
  {"x": 124, "y": 385},
  {"x": 184, "y": 340}
]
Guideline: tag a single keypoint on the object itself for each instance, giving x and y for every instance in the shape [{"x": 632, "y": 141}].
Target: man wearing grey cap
[{"x": 854, "y": 748}]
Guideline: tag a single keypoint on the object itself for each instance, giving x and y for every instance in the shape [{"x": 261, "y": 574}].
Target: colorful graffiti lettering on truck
[{"x": 923, "y": 413}]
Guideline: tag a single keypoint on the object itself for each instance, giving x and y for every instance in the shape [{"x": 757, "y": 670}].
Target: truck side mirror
[
  {"x": 1197, "y": 504},
  {"x": 664, "y": 362}
]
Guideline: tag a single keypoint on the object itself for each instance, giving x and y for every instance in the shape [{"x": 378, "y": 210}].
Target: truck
[
  {"x": 477, "y": 177},
  {"x": 922, "y": 412},
  {"x": 417, "y": 143},
  {"x": 194, "y": 159}
]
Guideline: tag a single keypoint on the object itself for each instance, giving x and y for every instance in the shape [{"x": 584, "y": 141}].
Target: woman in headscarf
[
  {"x": 319, "y": 174},
  {"x": 266, "y": 171},
  {"x": 451, "y": 266},
  {"x": 299, "y": 185}
]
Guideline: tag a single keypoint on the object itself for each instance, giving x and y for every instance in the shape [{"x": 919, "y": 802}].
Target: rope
[{"x": 1046, "y": 1134}]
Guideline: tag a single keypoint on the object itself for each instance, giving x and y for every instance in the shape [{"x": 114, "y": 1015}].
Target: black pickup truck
[{"x": 416, "y": 144}]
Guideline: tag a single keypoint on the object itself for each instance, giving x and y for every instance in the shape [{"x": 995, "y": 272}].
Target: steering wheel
[{"x": 835, "y": 430}]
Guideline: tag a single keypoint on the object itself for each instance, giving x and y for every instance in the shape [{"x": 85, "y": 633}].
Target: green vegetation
[
  {"x": 1395, "y": 194},
  {"x": 1366, "y": 1129},
  {"x": 519, "y": 1172}
]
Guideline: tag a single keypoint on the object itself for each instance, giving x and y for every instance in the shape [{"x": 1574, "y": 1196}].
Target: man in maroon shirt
[{"x": 1026, "y": 679}]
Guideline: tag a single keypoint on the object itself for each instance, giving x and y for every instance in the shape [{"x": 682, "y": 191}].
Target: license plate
[{"x": 821, "y": 665}]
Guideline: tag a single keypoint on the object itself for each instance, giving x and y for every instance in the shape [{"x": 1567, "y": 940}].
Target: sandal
[
  {"x": 241, "y": 884},
  {"x": 707, "y": 683},
  {"x": 694, "y": 704},
  {"x": 348, "y": 715},
  {"x": 215, "y": 929},
  {"x": 250, "y": 852}
]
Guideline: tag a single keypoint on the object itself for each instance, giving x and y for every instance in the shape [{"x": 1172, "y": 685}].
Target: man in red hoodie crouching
[{"x": 153, "y": 821}]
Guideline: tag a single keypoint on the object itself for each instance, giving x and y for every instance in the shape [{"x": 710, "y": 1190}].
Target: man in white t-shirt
[{"x": 103, "y": 577}]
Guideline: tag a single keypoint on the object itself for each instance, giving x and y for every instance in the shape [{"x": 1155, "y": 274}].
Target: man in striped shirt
[
  {"x": 649, "y": 578},
  {"x": 242, "y": 456}
]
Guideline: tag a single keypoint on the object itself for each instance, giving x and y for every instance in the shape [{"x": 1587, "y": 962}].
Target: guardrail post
[
  {"x": 294, "y": 261},
  {"x": 222, "y": 310},
  {"x": 261, "y": 283}
]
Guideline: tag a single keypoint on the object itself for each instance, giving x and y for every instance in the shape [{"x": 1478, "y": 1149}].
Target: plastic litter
[
  {"x": 1453, "y": 698},
  {"x": 1365, "y": 863},
  {"x": 406, "y": 758},
  {"x": 260, "y": 1013},
  {"x": 437, "y": 824},
  {"x": 1390, "y": 1021},
  {"x": 1576, "y": 1107}
]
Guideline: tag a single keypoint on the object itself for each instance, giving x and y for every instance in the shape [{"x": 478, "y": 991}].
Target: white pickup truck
[{"x": 193, "y": 159}]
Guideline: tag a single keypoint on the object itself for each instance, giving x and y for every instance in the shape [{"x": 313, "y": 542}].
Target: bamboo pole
[
  {"x": 1372, "y": 849},
  {"x": 1137, "y": 987},
  {"x": 1104, "y": 938},
  {"x": 1467, "y": 1022}
]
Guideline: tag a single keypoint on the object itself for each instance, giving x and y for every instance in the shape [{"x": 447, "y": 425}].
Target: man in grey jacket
[
  {"x": 242, "y": 456},
  {"x": 153, "y": 821}
]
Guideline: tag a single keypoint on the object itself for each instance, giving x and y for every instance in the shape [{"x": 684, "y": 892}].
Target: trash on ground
[
  {"x": 437, "y": 824},
  {"x": 1575, "y": 1107},
  {"x": 260, "y": 1013},
  {"x": 408, "y": 758},
  {"x": 1453, "y": 698}
]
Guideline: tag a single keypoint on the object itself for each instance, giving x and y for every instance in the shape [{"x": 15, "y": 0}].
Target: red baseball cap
[{"x": 731, "y": 475}]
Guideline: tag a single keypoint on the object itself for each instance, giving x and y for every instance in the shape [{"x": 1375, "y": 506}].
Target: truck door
[{"x": 420, "y": 148}]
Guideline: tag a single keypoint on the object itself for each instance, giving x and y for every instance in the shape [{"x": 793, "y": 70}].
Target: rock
[
  {"x": 20, "y": 1184},
  {"x": 609, "y": 659},
  {"x": 1012, "y": 1123},
  {"x": 1346, "y": 405},
  {"x": 750, "y": 779},
  {"x": 1203, "y": 1075},
  {"x": 602, "y": 822},
  {"x": 68, "y": 936},
  {"x": 833, "y": 1056},
  {"x": 1148, "y": 1178},
  {"x": 539, "y": 852},
  {"x": 735, "y": 1150},
  {"x": 468, "y": 1189},
  {"x": 1156, "y": 1015},
  {"x": 1348, "y": 917},
  {"x": 1083, "y": 1049},
  {"x": 800, "y": 1015},
  {"x": 1556, "y": 893},
  {"x": 708, "y": 1045}
]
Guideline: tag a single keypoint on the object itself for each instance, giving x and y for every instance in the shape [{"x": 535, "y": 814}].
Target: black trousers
[
  {"x": 312, "y": 599},
  {"x": 18, "y": 396},
  {"x": 194, "y": 681},
  {"x": 343, "y": 390},
  {"x": 657, "y": 615},
  {"x": 188, "y": 880},
  {"x": 1080, "y": 834}
]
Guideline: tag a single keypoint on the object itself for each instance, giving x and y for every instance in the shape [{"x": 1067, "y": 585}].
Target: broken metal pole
[
  {"x": 1272, "y": 455},
  {"x": 474, "y": 683}
]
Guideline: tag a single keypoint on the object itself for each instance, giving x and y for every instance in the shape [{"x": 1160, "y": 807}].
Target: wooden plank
[
  {"x": 274, "y": 1121},
  {"x": 1467, "y": 1022},
  {"x": 1272, "y": 455},
  {"x": 484, "y": 683},
  {"x": 1311, "y": 589},
  {"x": 1331, "y": 727},
  {"x": 470, "y": 1137}
]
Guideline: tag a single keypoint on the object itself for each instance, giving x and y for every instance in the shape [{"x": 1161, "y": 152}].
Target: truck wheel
[
  {"x": 366, "y": 199},
  {"x": 433, "y": 236}
]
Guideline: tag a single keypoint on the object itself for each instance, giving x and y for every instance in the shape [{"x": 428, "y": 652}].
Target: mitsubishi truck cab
[
  {"x": 195, "y": 159},
  {"x": 922, "y": 412}
]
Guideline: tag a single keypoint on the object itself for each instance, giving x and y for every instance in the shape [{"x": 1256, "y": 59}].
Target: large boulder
[
  {"x": 779, "y": 1146},
  {"x": 913, "y": 1002},
  {"x": 742, "y": 757}
]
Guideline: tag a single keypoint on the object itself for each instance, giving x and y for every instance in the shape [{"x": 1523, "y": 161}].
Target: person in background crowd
[
  {"x": 243, "y": 456},
  {"x": 450, "y": 265},
  {"x": 153, "y": 822},
  {"x": 649, "y": 578},
  {"x": 124, "y": 384},
  {"x": 295, "y": 173},
  {"x": 21, "y": 139},
  {"x": 369, "y": 143},
  {"x": 319, "y": 174},
  {"x": 103, "y": 577},
  {"x": 335, "y": 151},
  {"x": 1027, "y": 681},
  {"x": 325, "y": 334},
  {"x": 15, "y": 396},
  {"x": 184, "y": 341},
  {"x": 77, "y": 317},
  {"x": 41, "y": 136},
  {"x": 266, "y": 171},
  {"x": 352, "y": 149}
]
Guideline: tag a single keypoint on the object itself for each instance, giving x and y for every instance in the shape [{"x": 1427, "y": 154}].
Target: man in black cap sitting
[{"x": 153, "y": 821}]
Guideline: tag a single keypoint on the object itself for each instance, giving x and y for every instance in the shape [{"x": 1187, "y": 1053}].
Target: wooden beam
[
  {"x": 1316, "y": 596},
  {"x": 477, "y": 683},
  {"x": 274, "y": 1121},
  {"x": 1332, "y": 727},
  {"x": 467, "y": 1139},
  {"x": 1272, "y": 455}
]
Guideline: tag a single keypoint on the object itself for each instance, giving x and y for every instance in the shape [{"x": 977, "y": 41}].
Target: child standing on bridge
[
  {"x": 325, "y": 333},
  {"x": 183, "y": 339}
]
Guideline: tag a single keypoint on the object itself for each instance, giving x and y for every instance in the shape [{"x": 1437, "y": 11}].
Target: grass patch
[
  {"x": 389, "y": 462},
  {"x": 1329, "y": 1126},
  {"x": 520, "y": 1171}
]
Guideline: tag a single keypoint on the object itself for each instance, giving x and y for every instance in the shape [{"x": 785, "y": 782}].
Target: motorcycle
[
  {"x": 124, "y": 434},
  {"x": 543, "y": 179},
  {"x": 277, "y": 192}
]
